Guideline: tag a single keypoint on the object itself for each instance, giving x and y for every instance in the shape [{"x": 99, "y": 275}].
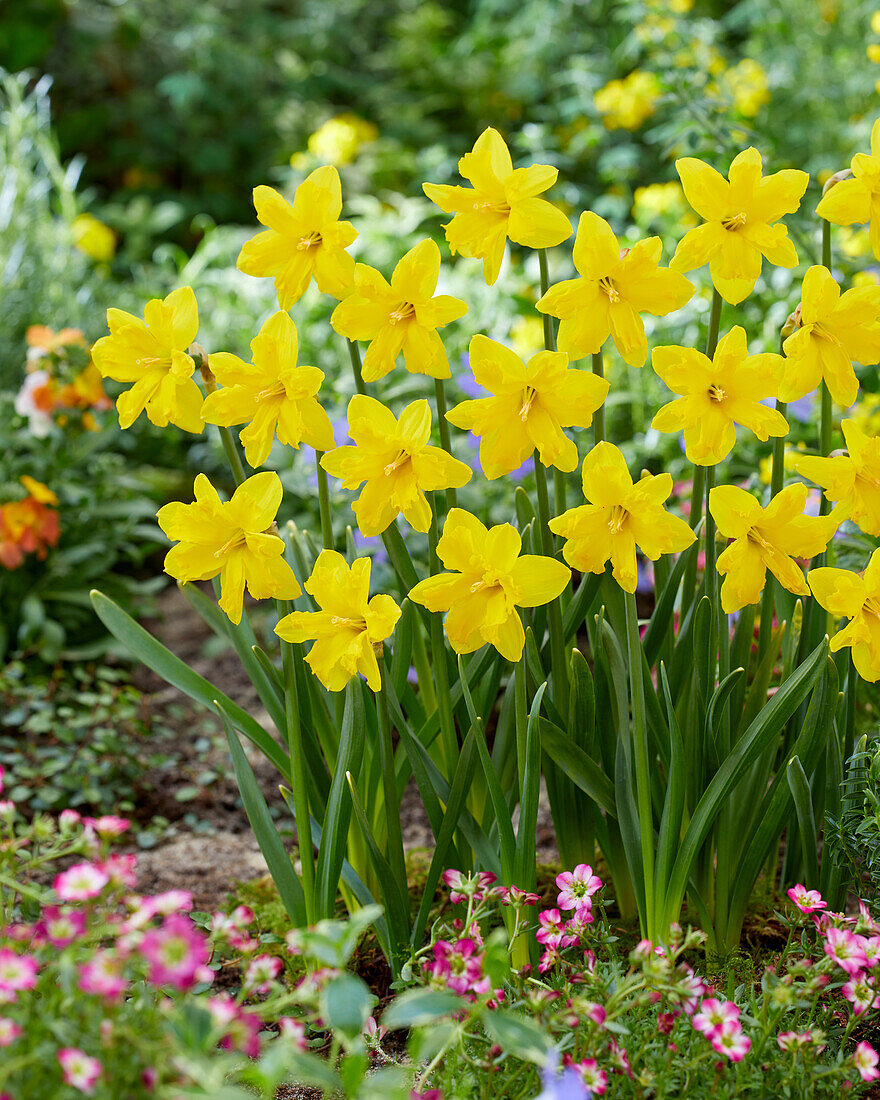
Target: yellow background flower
[
  {"x": 233, "y": 540},
  {"x": 272, "y": 395},
  {"x": 530, "y": 407},
  {"x": 503, "y": 203},
  {"x": 403, "y": 316},
  {"x": 857, "y": 199},
  {"x": 717, "y": 394},
  {"x": 348, "y": 625},
  {"x": 395, "y": 460},
  {"x": 151, "y": 356},
  {"x": 619, "y": 517},
  {"x": 490, "y": 580}
]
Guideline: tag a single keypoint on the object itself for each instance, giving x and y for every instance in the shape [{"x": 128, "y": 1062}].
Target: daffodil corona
[
  {"x": 857, "y": 200},
  {"x": 852, "y": 479},
  {"x": 272, "y": 396},
  {"x": 151, "y": 355},
  {"x": 619, "y": 517},
  {"x": 502, "y": 204},
  {"x": 530, "y": 407},
  {"x": 857, "y": 598},
  {"x": 717, "y": 394},
  {"x": 489, "y": 579},
  {"x": 741, "y": 221},
  {"x": 302, "y": 241},
  {"x": 349, "y": 625},
  {"x": 833, "y": 330},
  {"x": 401, "y": 316},
  {"x": 765, "y": 538},
  {"x": 615, "y": 286},
  {"x": 234, "y": 540},
  {"x": 397, "y": 463}
]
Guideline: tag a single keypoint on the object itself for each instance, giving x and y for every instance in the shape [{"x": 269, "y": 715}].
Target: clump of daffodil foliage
[{"x": 681, "y": 736}]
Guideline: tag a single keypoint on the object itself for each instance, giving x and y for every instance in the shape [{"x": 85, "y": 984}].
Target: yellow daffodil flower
[
  {"x": 614, "y": 287},
  {"x": 851, "y": 480},
  {"x": 233, "y": 540},
  {"x": 151, "y": 355},
  {"x": 502, "y": 204},
  {"x": 94, "y": 238},
  {"x": 489, "y": 579},
  {"x": 397, "y": 463},
  {"x": 834, "y": 329},
  {"x": 349, "y": 625},
  {"x": 857, "y": 598},
  {"x": 765, "y": 538},
  {"x": 530, "y": 407},
  {"x": 403, "y": 316},
  {"x": 272, "y": 395},
  {"x": 717, "y": 394},
  {"x": 303, "y": 241},
  {"x": 740, "y": 221},
  {"x": 619, "y": 517},
  {"x": 857, "y": 200}
]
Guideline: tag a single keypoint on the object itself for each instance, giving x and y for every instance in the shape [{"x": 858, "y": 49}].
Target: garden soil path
[{"x": 211, "y": 847}]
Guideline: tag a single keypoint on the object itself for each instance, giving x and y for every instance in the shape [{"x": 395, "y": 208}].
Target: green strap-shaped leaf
[
  {"x": 662, "y": 617},
  {"x": 760, "y": 733},
  {"x": 528, "y": 808},
  {"x": 579, "y": 767},
  {"x": 177, "y": 673},
  {"x": 803, "y": 805},
  {"x": 277, "y": 859},
  {"x": 673, "y": 805},
  {"x": 334, "y": 832}
]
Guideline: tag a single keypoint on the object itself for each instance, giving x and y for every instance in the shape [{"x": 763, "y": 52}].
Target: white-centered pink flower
[
  {"x": 731, "y": 1040},
  {"x": 576, "y": 888},
  {"x": 844, "y": 948},
  {"x": 9, "y": 1031},
  {"x": 81, "y": 882},
  {"x": 17, "y": 972},
  {"x": 866, "y": 1059},
  {"x": 102, "y": 976},
  {"x": 177, "y": 953},
  {"x": 714, "y": 1014},
  {"x": 594, "y": 1078},
  {"x": 61, "y": 926},
  {"x": 261, "y": 972},
  {"x": 80, "y": 1071},
  {"x": 861, "y": 992},
  {"x": 808, "y": 901}
]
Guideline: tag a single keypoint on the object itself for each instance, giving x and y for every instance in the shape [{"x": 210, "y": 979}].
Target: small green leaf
[
  {"x": 518, "y": 1035},
  {"x": 419, "y": 1007}
]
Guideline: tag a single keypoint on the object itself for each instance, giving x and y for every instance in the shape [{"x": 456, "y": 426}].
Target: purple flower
[{"x": 566, "y": 1085}]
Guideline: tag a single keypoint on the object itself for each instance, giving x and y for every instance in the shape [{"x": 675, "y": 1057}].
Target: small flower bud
[{"x": 843, "y": 174}]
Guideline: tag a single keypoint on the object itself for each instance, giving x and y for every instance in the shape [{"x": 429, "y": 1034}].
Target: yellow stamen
[
  {"x": 238, "y": 540},
  {"x": 401, "y": 458},
  {"x": 610, "y": 289},
  {"x": 716, "y": 393},
  {"x": 734, "y": 221},
  {"x": 529, "y": 395},
  {"x": 275, "y": 390},
  {"x": 492, "y": 207},
  {"x": 619, "y": 516},
  {"x": 405, "y": 311},
  {"x": 312, "y": 241}
]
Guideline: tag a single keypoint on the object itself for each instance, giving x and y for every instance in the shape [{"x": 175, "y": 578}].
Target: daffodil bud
[
  {"x": 792, "y": 324},
  {"x": 843, "y": 174}
]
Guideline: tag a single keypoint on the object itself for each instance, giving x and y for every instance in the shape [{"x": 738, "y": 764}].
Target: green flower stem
[
  {"x": 324, "y": 503},
  {"x": 445, "y": 443},
  {"x": 233, "y": 456},
  {"x": 549, "y": 335},
  {"x": 396, "y": 856},
  {"x": 354, "y": 353},
  {"x": 521, "y": 710},
  {"x": 640, "y": 756},
  {"x": 777, "y": 479},
  {"x": 554, "y": 610},
  {"x": 689, "y": 589},
  {"x": 448, "y": 735},
  {"x": 599, "y": 414},
  {"x": 710, "y": 572},
  {"x": 299, "y": 781}
]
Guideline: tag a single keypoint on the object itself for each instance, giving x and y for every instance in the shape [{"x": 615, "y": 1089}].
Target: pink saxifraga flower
[
  {"x": 552, "y": 932},
  {"x": 808, "y": 901},
  {"x": 462, "y": 886},
  {"x": 731, "y": 1040},
  {"x": 80, "y": 1071},
  {"x": 82, "y": 882},
  {"x": 862, "y": 994},
  {"x": 102, "y": 975},
  {"x": 576, "y": 888},
  {"x": 9, "y": 1031},
  {"x": 17, "y": 972},
  {"x": 790, "y": 1041},
  {"x": 108, "y": 826},
  {"x": 844, "y": 948},
  {"x": 714, "y": 1014},
  {"x": 120, "y": 870},
  {"x": 460, "y": 966},
  {"x": 261, "y": 972},
  {"x": 177, "y": 953},
  {"x": 865, "y": 1059},
  {"x": 594, "y": 1078},
  {"x": 295, "y": 1030},
  {"x": 61, "y": 926}
]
